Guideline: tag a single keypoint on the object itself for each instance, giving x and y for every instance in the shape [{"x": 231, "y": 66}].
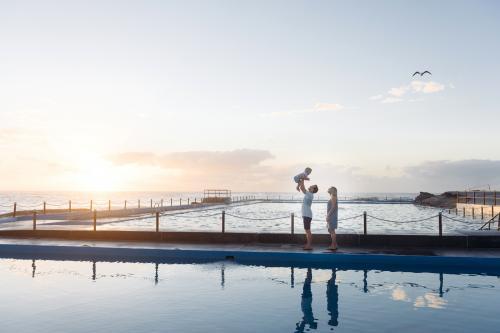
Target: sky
[{"x": 187, "y": 95}]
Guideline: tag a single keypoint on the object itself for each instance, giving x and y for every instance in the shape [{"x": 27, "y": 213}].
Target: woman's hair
[
  {"x": 332, "y": 190},
  {"x": 314, "y": 188}
]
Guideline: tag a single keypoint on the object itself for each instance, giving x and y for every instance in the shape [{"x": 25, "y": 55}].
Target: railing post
[
  {"x": 464, "y": 210},
  {"x": 473, "y": 213},
  {"x": 292, "y": 223},
  {"x": 125, "y": 205},
  {"x": 474, "y": 198},
  {"x": 492, "y": 211},
  {"x": 91, "y": 205},
  {"x": 139, "y": 203},
  {"x": 34, "y": 220},
  {"x": 157, "y": 221},
  {"x": 161, "y": 202},
  {"x": 14, "y": 211},
  {"x": 69, "y": 206},
  {"x": 95, "y": 220},
  {"x": 365, "y": 231},
  {"x": 171, "y": 202},
  {"x": 180, "y": 201},
  {"x": 188, "y": 201},
  {"x": 495, "y": 197},
  {"x": 151, "y": 202},
  {"x": 440, "y": 224},
  {"x": 482, "y": 213},
  {"x": 109, "y": 205},
  {"x": 223, "y": 221},
  {"x": 44, "y": 207}
]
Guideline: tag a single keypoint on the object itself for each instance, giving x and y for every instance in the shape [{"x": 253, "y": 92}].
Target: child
[{"x": 302, "y": 176}]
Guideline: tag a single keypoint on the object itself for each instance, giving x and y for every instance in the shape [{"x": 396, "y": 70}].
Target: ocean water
[
  {"x": 255, "y": 217},
  {"x": 82, "y": 296},
  {"x": 34, "y": 200}
]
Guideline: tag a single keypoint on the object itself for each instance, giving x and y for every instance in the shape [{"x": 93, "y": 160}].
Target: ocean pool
[{"x": 246, "y": 218}]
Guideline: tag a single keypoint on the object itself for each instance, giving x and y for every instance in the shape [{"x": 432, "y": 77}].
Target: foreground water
[{"x": 73, "y": 296}]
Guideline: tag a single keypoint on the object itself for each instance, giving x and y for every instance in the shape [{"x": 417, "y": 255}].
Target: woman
[
  {"x": 307, "y": 211},
  {"x": 332, "y": 216}
]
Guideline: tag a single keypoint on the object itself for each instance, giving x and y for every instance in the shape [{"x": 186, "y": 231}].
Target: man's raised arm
[{"x": 302, "y": 187}]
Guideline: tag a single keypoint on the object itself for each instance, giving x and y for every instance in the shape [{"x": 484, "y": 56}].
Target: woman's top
[{"x": 306, "y": 205}]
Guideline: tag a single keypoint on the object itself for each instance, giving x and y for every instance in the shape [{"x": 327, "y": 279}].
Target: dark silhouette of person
[
  {"x": 332, "y": 299},
  {"x": 306, "y": 306}
]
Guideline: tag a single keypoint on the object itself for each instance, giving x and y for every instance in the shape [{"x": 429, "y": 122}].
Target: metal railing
[
  {"x": 364, "y": 218},
  {"x": 487, "y": 198}
]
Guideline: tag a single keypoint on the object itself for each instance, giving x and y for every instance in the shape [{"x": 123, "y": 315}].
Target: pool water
[
  {"x": 83, "y": 296},
  {"x": 210, "y": 220}
]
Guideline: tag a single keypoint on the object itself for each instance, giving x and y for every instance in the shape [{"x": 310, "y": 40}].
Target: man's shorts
[{"x": 307, "y": 222}]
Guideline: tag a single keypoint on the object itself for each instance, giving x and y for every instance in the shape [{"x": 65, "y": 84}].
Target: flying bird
[{"x": 421, "y": 74}]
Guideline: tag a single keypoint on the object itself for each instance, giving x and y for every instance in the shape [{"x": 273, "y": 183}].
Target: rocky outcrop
[{"x": 444, "y": 200}]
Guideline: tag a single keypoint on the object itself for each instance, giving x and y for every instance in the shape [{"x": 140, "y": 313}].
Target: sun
[{"x": 95, "y": 174}]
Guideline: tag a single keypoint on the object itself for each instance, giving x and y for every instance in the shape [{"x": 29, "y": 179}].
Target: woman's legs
[{"x": 333, "y": 235}]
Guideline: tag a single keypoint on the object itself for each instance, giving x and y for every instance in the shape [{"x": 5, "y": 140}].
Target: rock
[{"x": 444, "y": 200}]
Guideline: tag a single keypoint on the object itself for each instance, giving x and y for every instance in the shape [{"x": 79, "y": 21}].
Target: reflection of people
[
  {"x": 306, "y": 306},
  {"x": 332, "y": 299}
]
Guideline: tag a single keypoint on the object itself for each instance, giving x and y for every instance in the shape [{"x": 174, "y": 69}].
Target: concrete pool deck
[{"x": 386, "y": 258}]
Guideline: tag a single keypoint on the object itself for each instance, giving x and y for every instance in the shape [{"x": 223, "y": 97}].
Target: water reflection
[
  {"x": 332, "y": 299},
  {"x": 426, "y": 294},
  {"x": 306, "y": 306},
  {"x": 156, "y": 273}
]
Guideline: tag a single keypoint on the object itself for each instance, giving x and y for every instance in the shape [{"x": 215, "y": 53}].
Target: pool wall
[
  {"x": 466, "y": 241},
  {"x": 463, "y": 264}
]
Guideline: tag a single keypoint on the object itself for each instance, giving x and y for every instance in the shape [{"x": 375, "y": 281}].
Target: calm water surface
[{"x": 72, "y": 296}]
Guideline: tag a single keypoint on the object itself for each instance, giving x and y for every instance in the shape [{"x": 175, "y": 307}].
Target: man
[{"x": 307, "y": 211}]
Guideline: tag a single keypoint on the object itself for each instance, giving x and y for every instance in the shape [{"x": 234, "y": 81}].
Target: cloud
[
  {"x": 399, "y": 91},
  {"x": 389, "y": 100},
  {"x": 376, "y": 97},
  {"x": 195, "y": 170},
  {"x": 426, "y": 87},
  {"x": 207, "y": 160},
  {"x": 463, "y": 174},
  {"x": 415, "y": 88},
  {"x": 327, "y": 107},
  {"x": 318, "y": 107},
  {"x": 249, "y": 170},
  {"x": 140, "y": 158}
]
